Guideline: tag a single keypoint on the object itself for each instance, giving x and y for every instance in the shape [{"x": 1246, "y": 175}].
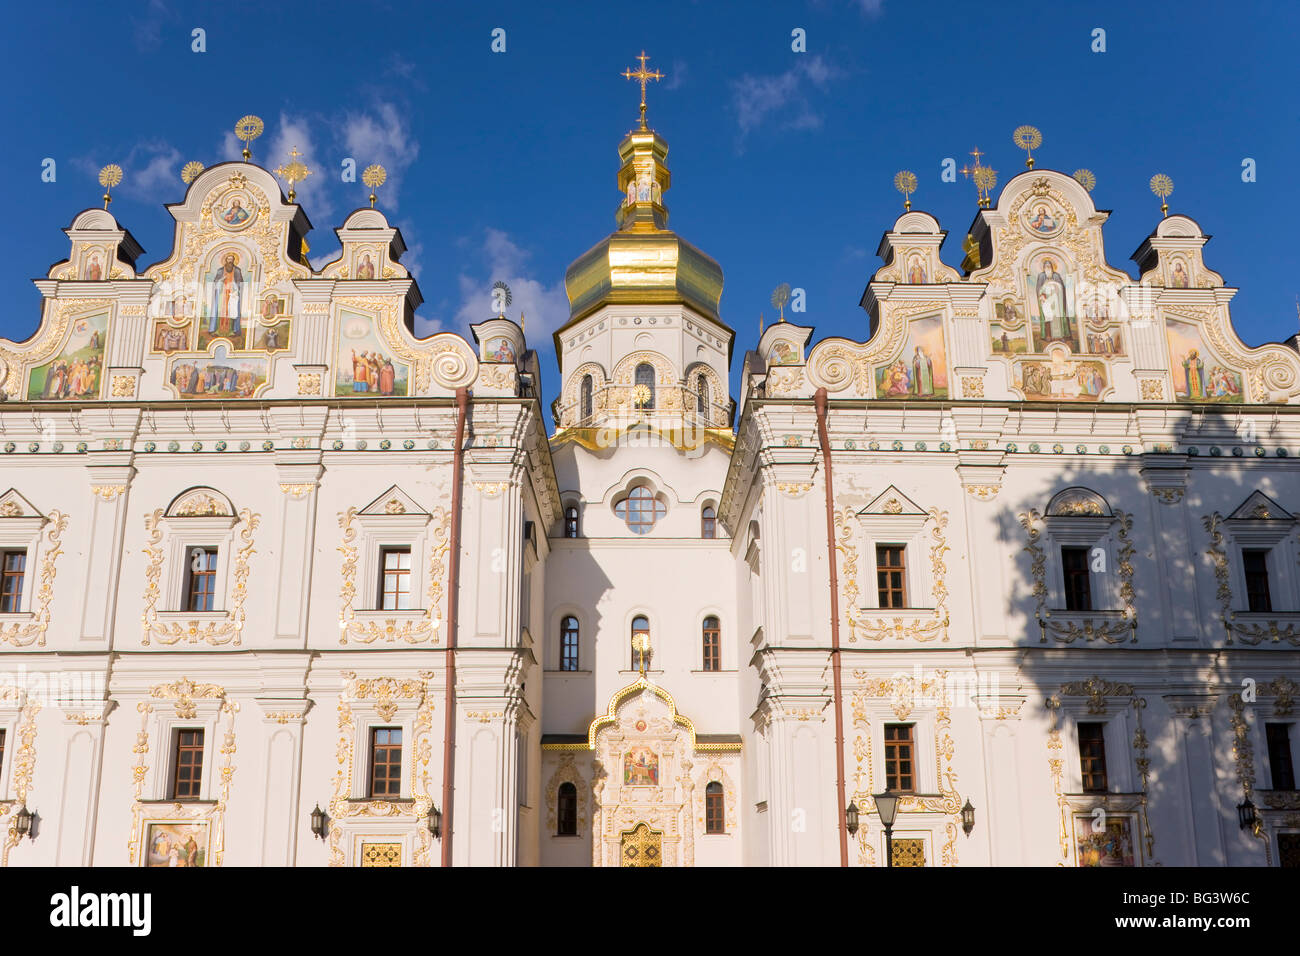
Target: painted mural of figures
[
  {"x": 366, "y": 269},
  {"x": 916, "y": 271},
  {"x": 1194, "y": 374},
  {"x": 1050, "y": 289},
  {"x": 1222, "y": 383},
  {"x": 386, "y": 378},
  {"x": 1179, "y": 279},
  {"x": 93, "y": 271},
  {"x": 226, "y": 297},
  {"x": 922, "y": 373},
  {"x": 897, "y": 380}
]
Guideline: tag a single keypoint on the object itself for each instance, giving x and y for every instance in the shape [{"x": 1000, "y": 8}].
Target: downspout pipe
[
  {"x": 453, "y": 600},
  {"x": 819, "y": 400}
]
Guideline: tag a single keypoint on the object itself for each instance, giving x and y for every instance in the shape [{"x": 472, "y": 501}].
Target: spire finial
[
  {"x": 294, "y": 171},
  {"x": 985, "y": 178},
  {"x": 374, "y": 177},
  {"x": 248, "y": 129},
  {"x": 1029, "y": 139},
  {"x": 1162, "y": 186},
  {"x": 905, "y": 183},
  {"x": 643, "y": 76},
  {"x": 109, "y": 177}
]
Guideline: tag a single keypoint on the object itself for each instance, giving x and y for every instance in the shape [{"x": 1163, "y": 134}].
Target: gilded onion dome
[{"x": 643, "y": 261}]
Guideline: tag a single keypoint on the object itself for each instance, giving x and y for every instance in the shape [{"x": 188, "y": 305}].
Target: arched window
[
  {"x": 566, "y": 810},
  {"x": 702, "y": 395},
  {"x": 569, "y": 644},
  {"x": 708, "y": 522},
  {"x": 640, "y": 637},
  {"x": 571, "y": 521},
  {"x": 645, "y": 375},
  {"x": 712, "y": 644},
  {"x": 640, "y": 510},
  {"x": 715, "y": 815},
  {"x": 586, "y": 399}
]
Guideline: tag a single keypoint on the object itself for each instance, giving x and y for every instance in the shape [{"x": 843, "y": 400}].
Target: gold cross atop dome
[
  {"x": 643, "y": 76},
  {"x": 294, "y": 171}
]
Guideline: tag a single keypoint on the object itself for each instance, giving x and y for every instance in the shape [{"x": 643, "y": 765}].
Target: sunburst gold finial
[
  {"x": 191, "y": 171},
  {"x": 1085, "y": 178},
  {"x": 984, "y": 177},
  {"x": 905, "y": 183},
  {"x": 109, "y": 177},
  {"x": 642, "y": 76},
  {"x": 1162, "y": 186},
  {"x": 294, "y": 171},
  {"x": 248, "y": 129},
  {"x": 780, "y": 296},
  {"x": 1029, "y": 139},
  {"x": 374, "y": 177}
]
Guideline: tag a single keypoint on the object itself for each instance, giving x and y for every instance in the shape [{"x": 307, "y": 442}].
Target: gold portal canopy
[{"x": 643, "y": 262}]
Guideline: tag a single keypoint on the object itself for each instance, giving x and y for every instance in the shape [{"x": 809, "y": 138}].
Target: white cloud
[
  {"x": 381, "y": 136},
  {"x": 870, "y": 8},
  {"x": 545, "y": 307},
  {"x": 151, "y": 171},
  {"x": 147, "y": 28},
  {"x": 676, "y": 75},
  {"x": 782, "y": 96},
  {"x": 313, "y": 192}
]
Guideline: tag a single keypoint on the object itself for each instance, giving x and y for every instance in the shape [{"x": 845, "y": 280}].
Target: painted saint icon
[
  {"x": 93, "y": 271},
  {"x": 235, "y": 214},
  {"x": 1042, "y": 220},
  {"x": 226, "y": 297},
  {"x": 641, "y": 768},
  {"x": 366, "y": 270},
  {"x": 1179, "y": 278}
]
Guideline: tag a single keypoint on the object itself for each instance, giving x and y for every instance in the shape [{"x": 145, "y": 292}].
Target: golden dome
[{"x": 643, "y": 262}]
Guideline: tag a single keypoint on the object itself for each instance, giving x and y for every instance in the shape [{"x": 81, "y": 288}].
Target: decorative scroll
[
  {"x": 24, "y": 765},
  {"x": 24, "y": 634}
]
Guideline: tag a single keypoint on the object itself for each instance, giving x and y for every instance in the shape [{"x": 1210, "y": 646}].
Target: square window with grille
[
  {"x": 200, "y": 579},
  {"x": 188, "y": 759},
  {"x": 1077, "y": 580},
  {"x": 1279, "y": 756},
  {"x": 899, "y": 756},
  {"x": 13, "y": 570},
  {"x": 1255, "y": 564},
  {"x": 891, "y": 576},
  {"x": 385, "y": 762},
  {"x": 1092, "y": 757},
  {"x": 395, "y": 579}
]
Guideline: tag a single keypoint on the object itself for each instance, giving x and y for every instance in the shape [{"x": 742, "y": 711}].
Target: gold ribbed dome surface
[{"x": 644, "y": 261}]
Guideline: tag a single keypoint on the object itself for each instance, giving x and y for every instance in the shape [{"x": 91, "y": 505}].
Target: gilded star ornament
[
  {"x": 191, "y": 171},
  {"x": 1085, "y": 178}
]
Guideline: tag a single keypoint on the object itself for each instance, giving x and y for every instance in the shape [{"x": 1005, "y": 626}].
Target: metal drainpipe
[
  {"x": 453, "y": 594},
  {"x": 819, "y": 400}
]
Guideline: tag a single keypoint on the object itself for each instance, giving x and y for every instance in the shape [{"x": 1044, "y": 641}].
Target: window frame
[
  {"x": 711, "y": 644},
  {"x": 6, "y": 575},
  {"x": 633, "y": 631},
  {"x": 1076, "y": 582},
  {"x": 709, "y": 522},
  {"x": 372, "y": 762},
  {"x": 646, "y": 500},
  {"x": 894, "y": 761},
  {"x": 650, "y": 382},
  {"x": 211, "y": 575},
  {"x": 1256, "y": 575},
  {"x": 566, "y": 814},
  {"x": 586, "y": 398},
  {"x": 1096, "y": 736},
  {"x": 564, "y": 644},
  {"x": 179, "y": 750},
  {"x": 381, "y": 596},
  {"x": 715, "y": 809},
  {"x": 900, "y": 570},
  {"x": 1283, "y": 748},
  {"x": 572, "y": 521}
]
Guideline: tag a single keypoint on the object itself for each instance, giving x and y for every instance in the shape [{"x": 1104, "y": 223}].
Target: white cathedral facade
[{"x": 282, "y": 584}]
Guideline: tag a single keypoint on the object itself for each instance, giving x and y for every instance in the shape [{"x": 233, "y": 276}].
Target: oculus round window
[{"x": 640, "y": 510}]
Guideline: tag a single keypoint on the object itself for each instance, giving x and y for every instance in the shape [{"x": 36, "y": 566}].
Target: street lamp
[
  {"x": 887, "y": 807},
  {"x": 1248, "y": 816},
  {"x": 318, "y": 822},
  {"x": 434, "y": 821},
  {"x": 851, "y": 818},
  {"x": 968, "y": 817},
  {"x": 23, "y": 822}
]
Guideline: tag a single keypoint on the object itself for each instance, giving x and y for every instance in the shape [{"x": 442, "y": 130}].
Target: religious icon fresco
[
  {"x": 364, "y": 366},
  {"x": 77, "y": 371},
  {"x": 500, "y": 350},
  {"x": 227, "y": 299},
  {"x": 1052, "y": 313},
  {"x": 641, "y": 768},
  {"x": 234, "y": 211},
  {"x": 916, "y": 270},
  {"x": 94, "y": 269},
  {"x": 922, "y": 369},
  {"x": 1198, "y": 375},
  {"x": 1178, "y": 275},
  {"x": 783, "y": 353},
  {"x": 271, "y": 338},
  {"x": 177, "y": 844},
  {"x": 169, "y": 338},
  {"x": 1060, "y": 379},
  {"x": 1111, "y": 845},
  {"x": 219, "y": 376},
  {"x": 1007, "y": 331}
]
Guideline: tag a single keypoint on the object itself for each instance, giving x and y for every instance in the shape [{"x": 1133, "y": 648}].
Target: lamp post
[{"x": 887, "y": 807}]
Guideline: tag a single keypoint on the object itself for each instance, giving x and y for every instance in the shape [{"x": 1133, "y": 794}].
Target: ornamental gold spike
[
  {"x": 191, "y": 171},
  {"x": 109, "y": 177},
  {"x": 374, "y": 176},
  {"x": 1029, "y": 139},
  {"x": 1162, "y": 186},
  {"x": 1085, "y": 178},
  {"x": 642, "y": 76},
  {"x": 248, "y": 129},
  {"x": 905, "y": 183},
  {"x": 294, "y": 171}
]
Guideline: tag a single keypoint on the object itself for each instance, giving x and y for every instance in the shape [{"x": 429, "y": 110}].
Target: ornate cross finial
[
  {"x": 374, "y": 177},
  {"x": 1029, "y": 139},
  {"x": 905, "y": 183},
  {"x": 294, "y": 171},
  {"x": 643, "y": 76},
  {"x": 248, "y": 129},
  {"x": 109, "y": 177},
  {"x": 985, "y": 178},
  {"x": 1162, "y": 186}
]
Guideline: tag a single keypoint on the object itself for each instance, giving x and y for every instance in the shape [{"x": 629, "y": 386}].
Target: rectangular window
[
  {"x": 13, "y": 566},
  {"x": 712, "y": 645},
  {"x": 890, "y": 575},
  {"x": 898, "y": 758},
  {"x": 1092, "y": 757},
  {"x": 569, "y": 644},
  {"x": 1279, "y": 756},
  {"x": 1255, "y": 561},
  {"x": 1078, "y": 583},
  {"x": 189, "y": 765},
  {"x": 386, "y": 762},
  {"x": 395, "y": 579},
  {"x": 200, "y": 579}
]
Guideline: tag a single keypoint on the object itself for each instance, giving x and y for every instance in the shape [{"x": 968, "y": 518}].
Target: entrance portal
[{"x": 642, "y": 846}]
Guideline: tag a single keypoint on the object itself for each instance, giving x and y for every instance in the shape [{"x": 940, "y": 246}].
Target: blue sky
[{"x": 502, "y": 165}]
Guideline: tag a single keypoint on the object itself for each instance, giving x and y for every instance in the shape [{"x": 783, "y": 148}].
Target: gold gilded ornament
[
  {"x": 1027, "y": 138},
  {"x": 1162, "y": 186},
  {"x": 780, "y": 296},
  {"x": 248, "y": 129},
  {"x": 1085, "y": 178},
  {"x": 109, "y": 177},
  {"x": 905, "y": 183},
  {"x": 294, "y": 171},
  {"x": 642, "y": 76},
  {"x": 374, "y": 176}
]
